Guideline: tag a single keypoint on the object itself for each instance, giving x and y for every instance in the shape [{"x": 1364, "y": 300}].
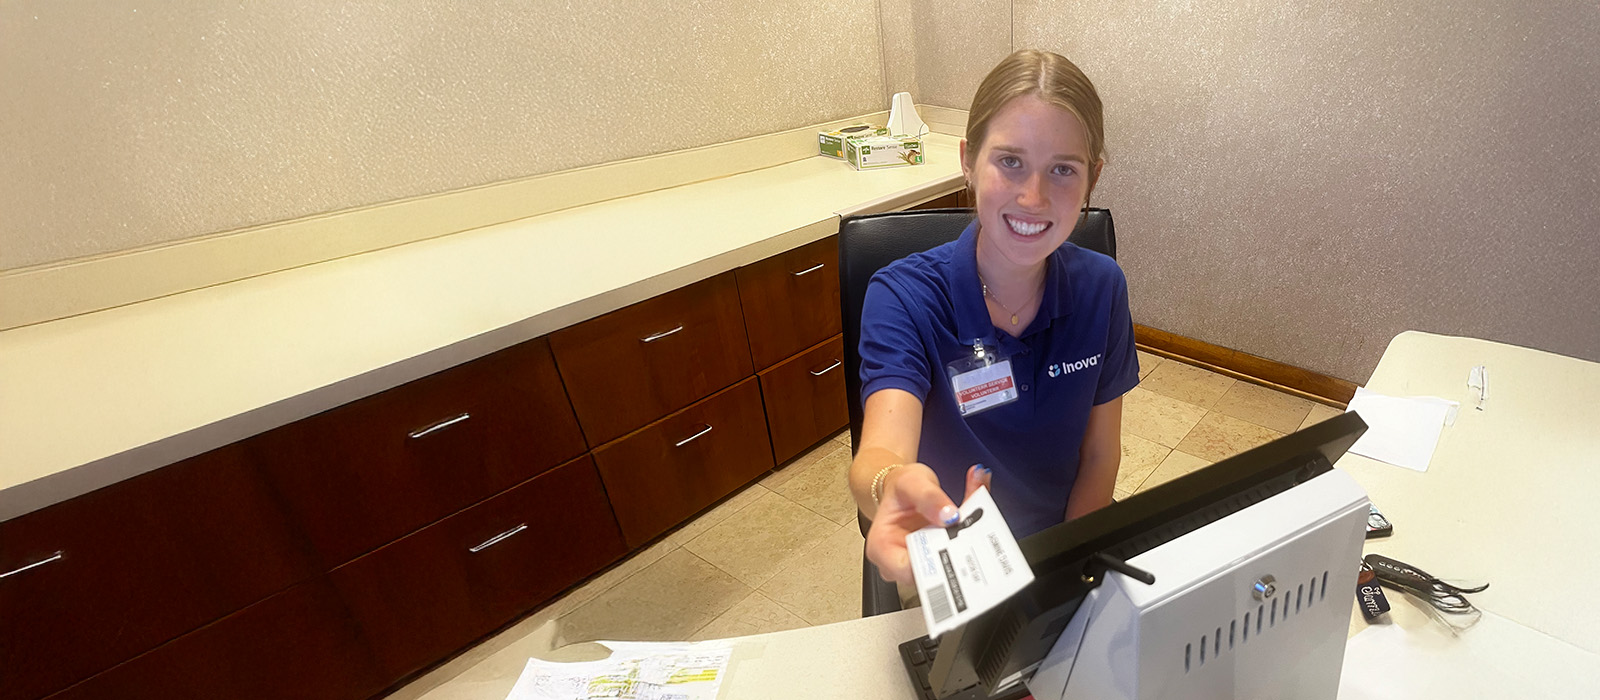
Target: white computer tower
[{"x": 1253, "y": 606}]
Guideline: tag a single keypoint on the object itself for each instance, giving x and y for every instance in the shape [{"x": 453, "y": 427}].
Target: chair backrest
[{"x": 868, "y": 243}]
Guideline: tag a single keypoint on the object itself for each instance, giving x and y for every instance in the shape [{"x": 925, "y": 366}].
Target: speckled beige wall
[
  {"x": 1303, "y": 181},
  {"x": 124, "y": 124},
  {"x": 939, "y": 50}
]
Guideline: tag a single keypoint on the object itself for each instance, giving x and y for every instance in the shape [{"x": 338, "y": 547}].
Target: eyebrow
[{"x": 1059, "y": 156}]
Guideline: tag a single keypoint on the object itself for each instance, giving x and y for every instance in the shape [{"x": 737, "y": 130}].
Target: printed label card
[{"x": 968, "y": 568}]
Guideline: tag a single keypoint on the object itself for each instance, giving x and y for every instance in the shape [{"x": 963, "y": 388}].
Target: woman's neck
[{"x": 1012, "y": 285}]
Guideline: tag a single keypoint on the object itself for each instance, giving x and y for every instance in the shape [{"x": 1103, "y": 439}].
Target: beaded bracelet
[{"x": 877, "y": 482}]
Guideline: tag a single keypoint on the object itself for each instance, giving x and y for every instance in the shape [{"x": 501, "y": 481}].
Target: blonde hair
[{"x": 1051, "y": 77}]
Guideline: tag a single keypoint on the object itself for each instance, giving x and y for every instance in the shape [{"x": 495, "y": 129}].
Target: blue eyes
[{"x": 1014, "y": 163}]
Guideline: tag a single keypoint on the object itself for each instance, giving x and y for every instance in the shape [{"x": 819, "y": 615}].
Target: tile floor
[{"x": 784, "y": 552}]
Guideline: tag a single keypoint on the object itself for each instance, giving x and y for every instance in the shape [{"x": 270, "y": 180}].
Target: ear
[
  {"x": 966, "y": 165},
  {"x": 1094, "y": 179}
]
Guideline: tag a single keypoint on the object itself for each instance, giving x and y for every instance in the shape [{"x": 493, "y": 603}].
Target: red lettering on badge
[{"x": 973, "y": 393}]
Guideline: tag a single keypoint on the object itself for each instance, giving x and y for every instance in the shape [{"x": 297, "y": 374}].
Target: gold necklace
[{"x": 987, "y": 293}]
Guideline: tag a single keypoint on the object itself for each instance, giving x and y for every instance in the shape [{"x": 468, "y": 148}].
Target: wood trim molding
[{"x": 1241, "y": 365}]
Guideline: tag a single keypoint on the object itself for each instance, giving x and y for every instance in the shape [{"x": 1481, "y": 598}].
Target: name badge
[{"x": 982, "y": 381}]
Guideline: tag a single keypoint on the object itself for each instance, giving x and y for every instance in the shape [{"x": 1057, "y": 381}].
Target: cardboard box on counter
[
  {"x": 831, "y": 143},
  {"x": 883, "y": 151}
]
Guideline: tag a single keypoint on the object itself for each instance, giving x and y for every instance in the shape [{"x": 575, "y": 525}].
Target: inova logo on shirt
[{"x": 1061, "y": 368}]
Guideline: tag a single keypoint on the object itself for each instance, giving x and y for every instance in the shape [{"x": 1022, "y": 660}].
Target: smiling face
[{"x": 1032, "y": 175}]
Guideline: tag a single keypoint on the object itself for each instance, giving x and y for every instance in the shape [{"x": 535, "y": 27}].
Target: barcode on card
[{"x": 939, "y": 603}]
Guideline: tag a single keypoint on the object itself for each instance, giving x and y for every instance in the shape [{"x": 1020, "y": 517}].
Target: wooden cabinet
[
  {"x": 634, "y": 365},
  {"x": 425, "y": 596},
  {"x": 135, "y": 564},
  {"x": 300, "y": 643},
  {"x": 804, "y": 398},
  {"x": 660, "y": 475},
  {"x": 791, "y": 300},
  {"x": 360, "y": 476},
  {"x": 336, "y": 555}
]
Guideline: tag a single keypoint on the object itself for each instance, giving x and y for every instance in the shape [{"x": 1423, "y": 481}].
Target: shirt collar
[{"x": 966, "y": 290}]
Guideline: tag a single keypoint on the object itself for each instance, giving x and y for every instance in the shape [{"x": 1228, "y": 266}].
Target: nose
[{"x": 1034, "y": 195}]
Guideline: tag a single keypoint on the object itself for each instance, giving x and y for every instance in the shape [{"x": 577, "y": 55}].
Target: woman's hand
[{"x": 912, "y": 500}]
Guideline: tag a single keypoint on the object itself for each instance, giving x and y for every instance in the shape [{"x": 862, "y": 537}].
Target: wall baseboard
[{"x": 1241, "y": 365}]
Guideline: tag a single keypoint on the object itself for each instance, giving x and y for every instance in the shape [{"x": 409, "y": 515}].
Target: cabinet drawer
[
  {"x": 135, "y": 564},
  {"x": 670, "y": 470},
  {"x": 791, "y": 300},
  {"x": 297, "y": 644},
  {"x": 637, "y": 364},
  {"x": 362, "y": 475},
  {"x": 421, "y": 598},
  {"x": 805, "y": 398}
]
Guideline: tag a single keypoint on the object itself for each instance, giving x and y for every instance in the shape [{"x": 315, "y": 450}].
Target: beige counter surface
[{"x": 93, "y": 399}]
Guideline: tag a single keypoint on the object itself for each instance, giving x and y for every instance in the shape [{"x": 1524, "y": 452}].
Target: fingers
[
  {"x": 886, "y": 547},
  {"x": 978, "y": 476},
  {"x": 914, "y": 487}
]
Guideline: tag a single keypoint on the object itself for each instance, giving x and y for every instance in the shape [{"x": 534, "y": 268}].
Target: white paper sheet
[
  {"x": 1496, "y": 658},
  {"x": 1401, "y": 430},
  {"x": 634, "y": 671}
]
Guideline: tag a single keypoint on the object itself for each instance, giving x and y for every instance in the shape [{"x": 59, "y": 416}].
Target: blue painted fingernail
[{"x": 949, "y": 515}]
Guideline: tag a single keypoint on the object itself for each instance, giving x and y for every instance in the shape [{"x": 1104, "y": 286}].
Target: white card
[{"x": 960, "y": 578}]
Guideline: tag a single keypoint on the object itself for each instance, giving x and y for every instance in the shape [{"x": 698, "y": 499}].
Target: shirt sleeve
[
  {"x": 1121, "y": 372},
  {"x": 892, "y": 353}
]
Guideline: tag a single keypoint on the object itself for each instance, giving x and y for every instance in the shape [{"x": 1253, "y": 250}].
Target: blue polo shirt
[{"x": 924, "y": 311}]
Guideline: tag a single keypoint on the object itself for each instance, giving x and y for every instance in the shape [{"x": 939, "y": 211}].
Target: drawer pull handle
[
  {"x": 660, "y": 335},
  {"x": 828, "y": 369},
  {"x": 52, "y": 558},
  {"x": 441, "y": 425},
  {"x": 492, "y": 541},
  {"x": 809, "y": 270},
  {"x": 691, "y": 438}
]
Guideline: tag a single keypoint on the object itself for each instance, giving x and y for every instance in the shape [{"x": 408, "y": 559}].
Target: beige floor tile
[
  {"x": 1264, "y": 407},
  {"x": 1219, "y": 436},
  {"x": 1139, "y": 458},
  {"x": 1121, "y": 495},
  {"x": 1148, "y": 363},
  {"x": 618, "y": 573},
  {"x": 756, "y": 542},
  {"x": 800, "y": 463},
  {"x": 1187, "y": 383},
  {"x": 666, "y": 601},
  {"x": 1175, "y": 465},
  {"x": 756, "y": 614},
  {"x": 843, "y": 438},
  {"x": 824, "y": 486},
  {"x": 1318, "y": 414},
  {"x": 718, "y": 513},
  {"x": 824, "y": 584},
  {"x": 1158, "y": 418}
]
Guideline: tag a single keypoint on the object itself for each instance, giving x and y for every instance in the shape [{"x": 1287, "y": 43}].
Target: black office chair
[{"x": 866, "y": 245}]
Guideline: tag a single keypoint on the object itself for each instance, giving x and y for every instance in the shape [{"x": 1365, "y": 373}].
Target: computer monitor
[{"x": 1265, "y": 544}]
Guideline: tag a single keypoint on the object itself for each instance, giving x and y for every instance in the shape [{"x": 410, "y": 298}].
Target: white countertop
[{"x": 93, "y": 399}]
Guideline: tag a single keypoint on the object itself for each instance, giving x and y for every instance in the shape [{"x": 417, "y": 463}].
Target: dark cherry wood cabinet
[
  {"x": 338, "y": 555},
  {"x": 301, "y": 643},
  {"x": 359, "y": 476},
  {"x": 670, "y": 470},
  {"x": 135, "y": 564},
  {"x": 636, "y": 364},
  {"x": 791, "y": 300},
  {"x": 421, "y": 598},
  {"x": 804, "y": 398}
]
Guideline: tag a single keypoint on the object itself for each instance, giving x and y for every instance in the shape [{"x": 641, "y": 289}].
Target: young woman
[{"x": 1000, "y": 359}]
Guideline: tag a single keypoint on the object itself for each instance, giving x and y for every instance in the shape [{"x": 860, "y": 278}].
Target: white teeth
[{"x": 1025, "y": 228}]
